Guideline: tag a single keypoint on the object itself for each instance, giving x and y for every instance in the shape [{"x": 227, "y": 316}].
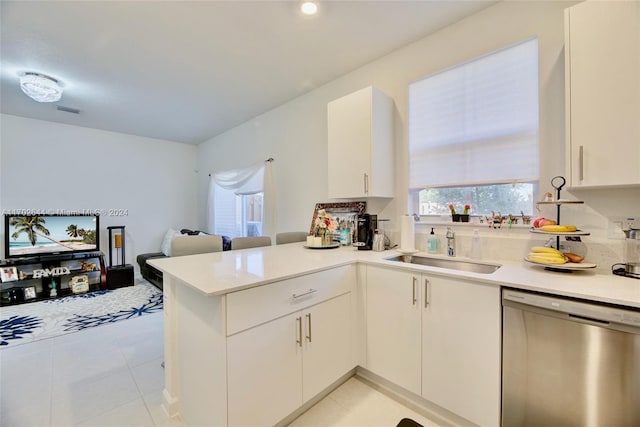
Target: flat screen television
[{"x": 32, "y": 236}]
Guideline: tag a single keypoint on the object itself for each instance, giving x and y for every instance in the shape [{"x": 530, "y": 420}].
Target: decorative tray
[
  {"x": 332, "y": 246},
  {"x": 569, "y": 266},
  {"x": 560, "y": 233}
]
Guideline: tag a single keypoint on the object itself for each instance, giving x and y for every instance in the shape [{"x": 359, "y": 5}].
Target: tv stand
[{"x": 31, "y": 279}]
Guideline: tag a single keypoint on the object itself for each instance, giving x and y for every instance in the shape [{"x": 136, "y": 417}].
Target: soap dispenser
[
  {"x": 432, "y": 243},
  {"x": 476, "y": 246}
]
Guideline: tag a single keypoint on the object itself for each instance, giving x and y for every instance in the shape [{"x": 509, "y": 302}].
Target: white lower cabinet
[
  {"x": 329, "y": 344},
  {"x": 436, "y": 337},
  {"x": 461, "y": 348},
  {"x": 393, "y": 327},
  {"x": 264, "y": 371},
  {"x": 275, "y": 367}
]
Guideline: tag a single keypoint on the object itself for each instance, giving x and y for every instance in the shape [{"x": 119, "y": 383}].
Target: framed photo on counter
[
  {"x": 8, "y": 274},
  {"x": 345, "y": 213}
]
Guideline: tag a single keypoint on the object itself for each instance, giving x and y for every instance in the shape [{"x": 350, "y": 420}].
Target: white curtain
[{"x": 225, "y": 186}]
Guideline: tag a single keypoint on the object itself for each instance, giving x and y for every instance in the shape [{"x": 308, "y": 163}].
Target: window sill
[{"x": 473, "y": 223}]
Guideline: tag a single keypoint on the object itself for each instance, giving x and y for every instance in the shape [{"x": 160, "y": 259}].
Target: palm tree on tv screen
[
  {"x": 88, "y": 236},
  {"x": 72, "y": 231},
  {"x": 32, "y": 226},
  {"x": 29, "y": 225}
]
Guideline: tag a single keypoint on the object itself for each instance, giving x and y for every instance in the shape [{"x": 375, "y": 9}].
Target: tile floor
[
  {"x": 111, "y": 376},
  {"x": 356, "y": 404}
]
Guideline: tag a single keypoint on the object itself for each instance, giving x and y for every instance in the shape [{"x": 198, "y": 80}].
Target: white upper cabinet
[
  {"x": 361, "y": 145},
  {"x": 602, "y": 66}
]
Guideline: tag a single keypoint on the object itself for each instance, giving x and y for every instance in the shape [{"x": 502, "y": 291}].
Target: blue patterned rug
[{"x": 24, "y": 323}]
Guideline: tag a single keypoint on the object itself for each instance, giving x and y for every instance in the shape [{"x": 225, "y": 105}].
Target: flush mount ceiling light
[
  {"x": 309, "y": 8},
  {"x": 40, "y": 88}
]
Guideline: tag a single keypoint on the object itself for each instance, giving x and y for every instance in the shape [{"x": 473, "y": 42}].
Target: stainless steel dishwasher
[{"x": 568, "y": 362}]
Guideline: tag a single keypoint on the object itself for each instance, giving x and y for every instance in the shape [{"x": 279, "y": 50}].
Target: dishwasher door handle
[{"x": 597, "y": 322}]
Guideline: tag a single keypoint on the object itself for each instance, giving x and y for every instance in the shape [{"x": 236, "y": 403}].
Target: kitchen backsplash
[{"x": 514, "y": 244}]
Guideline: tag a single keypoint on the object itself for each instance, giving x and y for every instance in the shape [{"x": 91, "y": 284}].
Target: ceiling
[{"x": 186, "y": 71}]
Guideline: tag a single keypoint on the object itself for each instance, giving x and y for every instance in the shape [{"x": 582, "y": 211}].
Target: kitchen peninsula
[{"x": 256, "y": 336}]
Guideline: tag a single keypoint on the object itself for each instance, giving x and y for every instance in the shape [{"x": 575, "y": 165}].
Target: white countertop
[{"x": 220, "y": 273}]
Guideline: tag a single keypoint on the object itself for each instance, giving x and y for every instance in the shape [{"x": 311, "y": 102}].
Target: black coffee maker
[{"x": 367, "y": 225}]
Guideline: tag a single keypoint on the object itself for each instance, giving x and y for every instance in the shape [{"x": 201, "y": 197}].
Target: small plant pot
[{"x": 460, "y": 218}]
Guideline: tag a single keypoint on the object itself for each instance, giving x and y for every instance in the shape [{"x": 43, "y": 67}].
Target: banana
[
  {"x": 547, "y": 255},
  {"x": 544, "y": 250},
  {"x": 559, "y": 228},
  {"x": 545, "y": 259}
]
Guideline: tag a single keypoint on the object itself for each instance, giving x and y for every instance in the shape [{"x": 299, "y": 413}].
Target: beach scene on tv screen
[{"x": 32, "y": 235}]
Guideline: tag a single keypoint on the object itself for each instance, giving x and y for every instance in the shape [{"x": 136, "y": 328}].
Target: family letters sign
[{"x": 46, "y": 272}]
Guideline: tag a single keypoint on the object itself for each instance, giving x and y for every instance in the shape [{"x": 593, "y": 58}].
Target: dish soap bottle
[
  {"x": 432, "y": 243},
  {"x": 476, "y": 246}
]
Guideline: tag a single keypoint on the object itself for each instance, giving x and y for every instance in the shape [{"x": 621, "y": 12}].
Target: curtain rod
[{"x": 270, "y": 159}]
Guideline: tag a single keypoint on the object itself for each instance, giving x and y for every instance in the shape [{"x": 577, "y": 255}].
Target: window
[
  {"x": 241, "y": 201},
  {"x": 473, "y": 134},
  {"x": 237, "y": 215},
  {"x": 504, "y": 198}
]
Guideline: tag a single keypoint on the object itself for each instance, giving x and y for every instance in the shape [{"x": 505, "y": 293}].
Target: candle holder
[{"x": 119, "y": 274}]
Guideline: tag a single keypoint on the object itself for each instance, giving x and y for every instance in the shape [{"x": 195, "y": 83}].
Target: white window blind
[{"x": 476, "y": 123}]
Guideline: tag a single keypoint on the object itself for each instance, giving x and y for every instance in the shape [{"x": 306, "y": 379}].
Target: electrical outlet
[
  {"x": 631, "y": 222},
  {"x": 619, "y": 223},
  {"x": 614, "y": 230}
]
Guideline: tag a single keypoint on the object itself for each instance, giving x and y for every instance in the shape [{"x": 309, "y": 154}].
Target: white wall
[
  {"x": 295, "y": 134},
  {"x": 46, "y": 165}
]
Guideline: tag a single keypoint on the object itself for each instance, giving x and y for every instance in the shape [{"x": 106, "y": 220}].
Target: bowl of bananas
[{"x": 553, "y": 259}]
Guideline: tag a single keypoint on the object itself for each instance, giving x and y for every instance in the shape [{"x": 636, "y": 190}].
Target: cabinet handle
[
  {"x": 299, "y": 337},
  {"x": 309, "y": 327},
  {"x": 415, "y": 283},
  {"x": 426, "y": 293},
  {"x": 309, "y": 292},
  {"x": 581, "y": 163},
  {"x": 366, "y": 183}
]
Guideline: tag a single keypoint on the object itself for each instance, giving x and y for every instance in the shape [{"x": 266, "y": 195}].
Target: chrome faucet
[{"x": 451, "y": 242}]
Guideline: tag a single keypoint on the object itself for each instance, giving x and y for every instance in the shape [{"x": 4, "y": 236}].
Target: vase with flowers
[{"x": 325, "y": 226}]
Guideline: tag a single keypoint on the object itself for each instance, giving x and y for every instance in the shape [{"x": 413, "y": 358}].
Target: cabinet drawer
[{"x": 254, "y": 306}]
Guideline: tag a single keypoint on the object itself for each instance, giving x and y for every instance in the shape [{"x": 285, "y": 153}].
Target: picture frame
[
  {"x": 345, "y": 213},
  {"x": 8, "y": 274},
  {"x": 29, "y": 292}
]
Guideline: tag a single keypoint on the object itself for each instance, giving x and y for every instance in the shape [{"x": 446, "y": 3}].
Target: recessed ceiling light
[
  {"x": 40, "y": 88},
  {"x": 309, "y": 8}
]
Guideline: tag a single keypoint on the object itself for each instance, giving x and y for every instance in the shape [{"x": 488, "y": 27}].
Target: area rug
[{"x": 21, "y": 324}]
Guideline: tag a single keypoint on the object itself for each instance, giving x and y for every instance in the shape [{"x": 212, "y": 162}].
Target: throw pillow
[{"x": 165, "y": 248}]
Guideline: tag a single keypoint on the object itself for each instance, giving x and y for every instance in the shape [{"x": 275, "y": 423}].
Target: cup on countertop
[
  {"x": 314, "y": 242},
  {"x": 345, "y": 236}
]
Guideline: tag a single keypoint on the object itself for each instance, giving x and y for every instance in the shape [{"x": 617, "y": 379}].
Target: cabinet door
[
  {"x": 461, "y": 348},
  {"x": 393, "y": 326},
  {"x": 264, "y": 368},
  {"x": 349, "y": 134},
  {"x": 602, "y": 56},
  {"x": 329, "y": 344},
  {"x": 360, "y": 133}
]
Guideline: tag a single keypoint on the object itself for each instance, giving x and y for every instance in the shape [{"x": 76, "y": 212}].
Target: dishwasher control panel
[{"x": 583, "y": 310}]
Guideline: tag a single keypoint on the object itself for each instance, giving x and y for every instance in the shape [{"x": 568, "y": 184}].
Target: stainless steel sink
[{"x": 474, "y": 267}]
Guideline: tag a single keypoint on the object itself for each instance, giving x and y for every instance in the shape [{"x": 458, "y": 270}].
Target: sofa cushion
[
  {"x": 142, "y": 258},
  {"x": 226, "y": 240}
]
